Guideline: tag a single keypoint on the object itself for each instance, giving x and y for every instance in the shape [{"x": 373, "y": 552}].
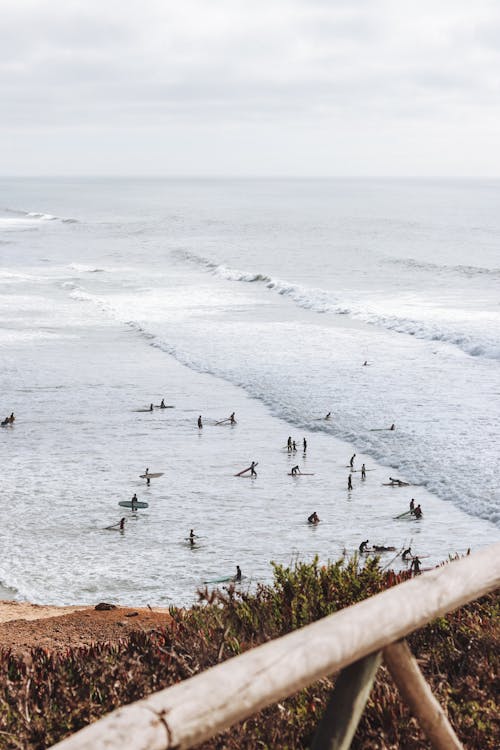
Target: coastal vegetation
[{"x": 47, "y": 695}]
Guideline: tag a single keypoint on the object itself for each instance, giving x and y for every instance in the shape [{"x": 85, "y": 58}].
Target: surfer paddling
[
  {"x": 304, "y": 444},
  {"x": 295, "y": 470},
  {"x": 398, "y": 482},
  {"x": 313, "y": 518},
  {"x": 328, "y": 415}
]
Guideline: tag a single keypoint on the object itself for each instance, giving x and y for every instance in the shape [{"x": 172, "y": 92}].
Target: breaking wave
[{"x": 323, "y": 301}]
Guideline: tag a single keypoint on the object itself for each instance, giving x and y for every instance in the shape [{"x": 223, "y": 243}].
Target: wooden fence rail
[{"x": 196, "y": 709}]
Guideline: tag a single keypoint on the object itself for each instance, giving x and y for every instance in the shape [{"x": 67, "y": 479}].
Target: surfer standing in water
[
  {"x": 253, "y": 473},
  {"x": 304, "y": 444},
  {"x": 237, "y": 577},
  {"x": 313, "y": 518},
  {"x": 200, "y": 423},
  {"x": 349, "y": 482},
  {"x": 232, "y": 419},
  {"x": 134, "y": 501},
  {"x": 363, "y": 472}
]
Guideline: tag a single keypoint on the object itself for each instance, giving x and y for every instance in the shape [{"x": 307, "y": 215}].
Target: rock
[
  {"x": 104, "y": 605},
  {"x": 132, "y": 614}
]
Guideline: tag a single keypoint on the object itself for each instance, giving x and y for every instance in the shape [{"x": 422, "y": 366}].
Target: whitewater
[{"x": 264, "y": 297}]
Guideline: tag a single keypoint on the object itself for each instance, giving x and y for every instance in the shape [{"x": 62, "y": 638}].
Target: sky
[{"x": 250, "y": 87}]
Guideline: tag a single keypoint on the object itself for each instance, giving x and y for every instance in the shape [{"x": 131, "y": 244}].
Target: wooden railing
[{"x": 354, "y": 640}]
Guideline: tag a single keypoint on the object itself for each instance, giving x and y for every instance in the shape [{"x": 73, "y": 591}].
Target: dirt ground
[{"x": 24, "y": 626}]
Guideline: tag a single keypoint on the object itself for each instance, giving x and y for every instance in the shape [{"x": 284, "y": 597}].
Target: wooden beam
[
  {"x": 417, "y": 694},
  {"x": 196, "y": 709},
  {"x": 346, "y": 705}
]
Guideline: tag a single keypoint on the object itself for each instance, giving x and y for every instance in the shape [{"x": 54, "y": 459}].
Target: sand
[{"x": 24, "y": 626}]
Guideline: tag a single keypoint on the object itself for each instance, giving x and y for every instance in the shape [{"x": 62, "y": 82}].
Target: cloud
[{"x": 144, "y": 66}]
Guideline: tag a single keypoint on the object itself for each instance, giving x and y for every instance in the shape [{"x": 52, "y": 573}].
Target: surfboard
[
  {"x": 397, "y": 484},
  {"x": 143, "y": 410},
  {"x": 402, "y": 515},
  {"x": 151, "y": 475},
  {"x": 300, "y": 474},
  {"x": 167, "y": 406},
  {"x": 382, "y": 429},
  {"x": 128, "y": 504},
  {"x": 227, "y": 579},
  {"x": 240, "y": 473}
]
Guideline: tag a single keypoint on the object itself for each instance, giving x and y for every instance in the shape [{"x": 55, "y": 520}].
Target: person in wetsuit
[
  {"x": 363, "y": 545},
  {"x": 295, "y": 470},
  {"x": 313, "y": 518},
  {"x": 200, "y": 423},
  {"x": 406, "y": 553},
  {"x": 237, "y": 577}
]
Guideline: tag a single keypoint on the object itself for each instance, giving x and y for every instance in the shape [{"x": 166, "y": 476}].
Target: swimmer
[
  {"x": 232, "y": 419},
  {"x": 253, "y": 473},
  {"x": 289, "y": 443},
  {"x": 412, "y": 504}
]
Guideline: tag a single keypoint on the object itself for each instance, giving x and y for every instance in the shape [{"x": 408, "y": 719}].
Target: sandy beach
[{"x": 24, "y": 626}]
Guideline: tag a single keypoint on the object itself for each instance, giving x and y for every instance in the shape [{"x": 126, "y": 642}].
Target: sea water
[{"x": 262, "y": 297}]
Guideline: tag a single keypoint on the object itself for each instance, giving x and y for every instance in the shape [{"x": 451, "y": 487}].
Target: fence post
[
  {"x": 417, "y": 694},
  {"x": 346, "y": 705}
]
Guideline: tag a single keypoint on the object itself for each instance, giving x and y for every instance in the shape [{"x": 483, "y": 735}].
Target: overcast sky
[{"x": 250, "y": 87}]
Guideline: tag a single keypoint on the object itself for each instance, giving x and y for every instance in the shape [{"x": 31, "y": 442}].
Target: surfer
[
  {"x": 406, "y": 553},
  {"x": 383, "y": 548},
  {"x": 200, "y": 423},
  {"x": 289, "y": 443},
  {"x": 349, "y": 482},
  {"x": 412, "y": 505},
  {"x": 313, "y": 518},
  {"x": 392, "y": 427},
  {"x": 328, "y": 415},
  {"x": 365, "y": 363},
  {"x": 134, "y": 501},
  {"x": 415, "y": 566},
  {"x": 363, "y": 472},
  {"x": 294, "y": 445},
  {"x": 351, "y": 462},
  {"x": 295, "y": 470},
  {"x": 417, "y": 511},
  {"x": 162, "y": 405},
  {"x": 237, "y": 577},
  {"x": 304, "y": 444},
  {"x": 398, "y": 482},
  {"x": 363, "y": 545},
  {"x": 5, "y": 422},
  {"x": 232, "y": 419},
  {"x": 253, "y": 473},
  {"x": 12, "y": 417},
  {"x": 150, "y": 407}
]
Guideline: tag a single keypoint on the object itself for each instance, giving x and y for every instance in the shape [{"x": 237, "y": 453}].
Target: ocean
[{"x": 259, "y": 297}]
